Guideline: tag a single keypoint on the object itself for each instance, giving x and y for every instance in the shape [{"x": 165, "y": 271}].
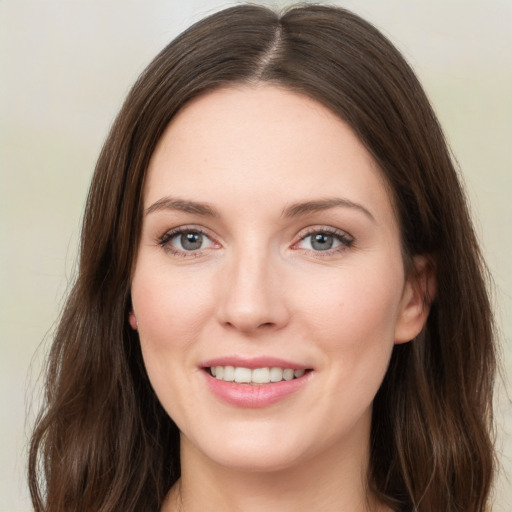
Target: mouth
[
  {"x": 255, "y": 376},
  {"x": 255, "y": 382}
]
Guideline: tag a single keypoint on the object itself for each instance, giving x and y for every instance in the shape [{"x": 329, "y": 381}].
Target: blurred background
[{"x": 65, "y": 67}]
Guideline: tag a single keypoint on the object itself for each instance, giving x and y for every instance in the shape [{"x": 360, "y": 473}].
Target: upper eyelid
[
  {"x": 187, "y": 228},
  {"x": 322, "y": 229}
]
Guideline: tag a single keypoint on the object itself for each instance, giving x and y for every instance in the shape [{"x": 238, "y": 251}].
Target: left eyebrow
[{"x": 303, "y": 208}]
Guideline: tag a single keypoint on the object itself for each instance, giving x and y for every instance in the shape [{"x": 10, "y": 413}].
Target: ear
[
  {"x": 419, "y": 291},
  {"x": 132, "y": 320}
]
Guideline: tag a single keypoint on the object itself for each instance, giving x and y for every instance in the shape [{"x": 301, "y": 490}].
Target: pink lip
[{"x": 250, "y": 395}]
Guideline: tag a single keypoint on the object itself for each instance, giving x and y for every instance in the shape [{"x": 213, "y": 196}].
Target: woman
[{"x": 281, "y": 302}]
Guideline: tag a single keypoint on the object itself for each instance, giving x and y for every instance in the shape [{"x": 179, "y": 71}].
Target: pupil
[
  {"x": 191, "y": 241},
  {"x": 322, "y": 242}
]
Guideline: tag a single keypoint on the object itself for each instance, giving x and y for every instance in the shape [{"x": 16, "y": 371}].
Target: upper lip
[{"x": 254, "y": 362}]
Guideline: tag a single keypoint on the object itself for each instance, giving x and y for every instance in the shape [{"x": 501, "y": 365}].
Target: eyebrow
[
  {"x": 294, "y": 210},
  {"x": 303, "y": 208},
  {"x": 183, "y": 205}
]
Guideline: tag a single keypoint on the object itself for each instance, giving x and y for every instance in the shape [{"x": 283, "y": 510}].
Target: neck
[{"x": 334, "y": 481}]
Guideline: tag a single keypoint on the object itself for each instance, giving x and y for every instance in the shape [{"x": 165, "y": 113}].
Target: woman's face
[{"x": 270, "y": 251}]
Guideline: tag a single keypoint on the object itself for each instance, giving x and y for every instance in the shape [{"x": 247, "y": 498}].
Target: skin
[{"x": 259, "y": 286}]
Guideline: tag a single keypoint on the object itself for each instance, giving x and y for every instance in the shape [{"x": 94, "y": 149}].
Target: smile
[
  {"x": 256, "y": 376},
  {"x": 256, "y": 382}
]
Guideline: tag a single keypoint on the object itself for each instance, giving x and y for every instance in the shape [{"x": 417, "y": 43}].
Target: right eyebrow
[{"x": 182, "y": 205}]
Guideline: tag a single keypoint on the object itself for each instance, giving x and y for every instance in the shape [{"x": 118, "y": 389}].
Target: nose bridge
[{"x": 252, "y": 296}]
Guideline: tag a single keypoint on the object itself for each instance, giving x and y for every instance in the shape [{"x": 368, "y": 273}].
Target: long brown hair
[{"x": 104, "y": 443}]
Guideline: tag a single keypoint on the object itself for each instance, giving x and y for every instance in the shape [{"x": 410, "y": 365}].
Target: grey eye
[
  {"x": 322, "y": 241},
  {"x": 186, "y": 241},
  {"x": 191, "y": 241}
]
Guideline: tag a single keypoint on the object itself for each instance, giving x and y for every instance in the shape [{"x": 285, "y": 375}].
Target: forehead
[
  {"x": 266, "y": 115},
  {"x": 249, "y": 142}
]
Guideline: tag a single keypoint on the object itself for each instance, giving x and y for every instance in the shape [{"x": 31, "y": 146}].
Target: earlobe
[
  {"x": 419, "y": 291},
  {"x": 133, "y": 321}
]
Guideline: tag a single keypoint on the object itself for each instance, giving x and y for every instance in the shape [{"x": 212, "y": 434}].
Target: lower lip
[{"x": 254, "y": 396}]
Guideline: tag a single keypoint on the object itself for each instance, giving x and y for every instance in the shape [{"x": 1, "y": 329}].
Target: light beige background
[{"x": 64, "y": 69}]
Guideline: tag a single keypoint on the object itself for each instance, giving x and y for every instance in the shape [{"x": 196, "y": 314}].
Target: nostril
[{"x": 264, "y": 325}]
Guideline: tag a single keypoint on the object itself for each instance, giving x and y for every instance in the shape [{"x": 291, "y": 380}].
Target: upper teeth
[{"x": 254, "y": 376}]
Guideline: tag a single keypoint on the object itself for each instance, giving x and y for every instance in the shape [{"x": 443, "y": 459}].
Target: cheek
[
  {"x": 170, "y": 306},
  {"x": 354, "y": 300},
  {"x": 171, "y": 310},
  {"x": 353, "y": 317}
]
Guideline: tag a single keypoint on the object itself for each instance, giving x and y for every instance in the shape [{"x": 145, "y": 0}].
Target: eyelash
[
  {"x": 164, "y": 241},
  {"x": 345, "y": 241}
]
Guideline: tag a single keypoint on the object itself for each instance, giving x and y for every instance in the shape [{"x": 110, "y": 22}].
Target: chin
[
  {"x": 258, "y": 460},
  {"x": 252, "y": 449}
]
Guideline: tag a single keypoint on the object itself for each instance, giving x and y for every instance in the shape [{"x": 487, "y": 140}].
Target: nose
[{"x": 253, "y": 296}]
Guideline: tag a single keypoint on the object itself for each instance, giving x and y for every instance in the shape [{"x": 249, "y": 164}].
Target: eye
[
  {"x": 323, "y": 240},
  {"x": 183, "y": 240}
]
